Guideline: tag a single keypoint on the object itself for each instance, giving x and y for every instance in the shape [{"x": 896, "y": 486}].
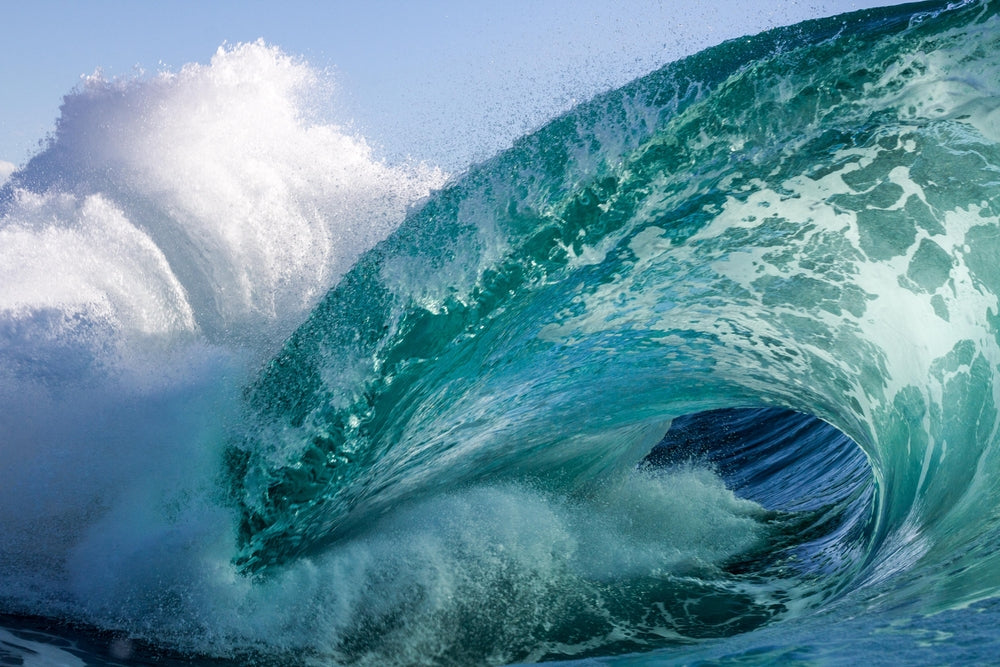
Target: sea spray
[
  {"x": 255, "y": 202},
  {"x": 172, "y": 231}
]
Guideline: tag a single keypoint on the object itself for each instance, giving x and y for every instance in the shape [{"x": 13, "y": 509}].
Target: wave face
[{"x": 702, "y": 370}]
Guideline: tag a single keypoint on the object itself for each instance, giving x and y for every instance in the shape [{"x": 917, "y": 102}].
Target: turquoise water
[{"x": 703, "y": 370}]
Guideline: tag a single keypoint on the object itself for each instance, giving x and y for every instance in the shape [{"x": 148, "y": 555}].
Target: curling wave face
[{"x": 459, "y": 457}]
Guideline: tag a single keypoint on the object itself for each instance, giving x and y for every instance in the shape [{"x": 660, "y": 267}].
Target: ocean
[{"x": 703, "y": 371}]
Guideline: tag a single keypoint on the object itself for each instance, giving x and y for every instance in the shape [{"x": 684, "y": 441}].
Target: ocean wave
[{"x": 702, "y": 369}]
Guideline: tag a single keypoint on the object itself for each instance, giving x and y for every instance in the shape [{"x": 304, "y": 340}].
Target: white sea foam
[
  {"x": 34, "y": 653},
  {"x": 256, "y": 204},
  {"x": 503, "y": 562},
  {"x": 175, "y": 229}
]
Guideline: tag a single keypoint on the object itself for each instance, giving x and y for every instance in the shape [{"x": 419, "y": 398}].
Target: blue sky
[{"x": 442, "y": 81}]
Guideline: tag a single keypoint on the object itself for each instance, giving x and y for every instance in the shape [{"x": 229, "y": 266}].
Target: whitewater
[{"x": 701, "y": 371}]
